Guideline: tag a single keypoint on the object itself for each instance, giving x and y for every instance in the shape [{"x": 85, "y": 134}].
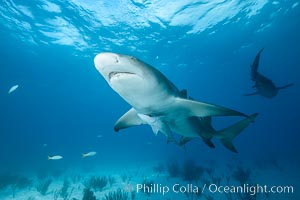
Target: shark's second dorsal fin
[
  {"x": 130, "y": 118},
  {"x": 200, "y": 109}
]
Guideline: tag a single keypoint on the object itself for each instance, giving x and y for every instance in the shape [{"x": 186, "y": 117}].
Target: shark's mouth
[{"x": 116, "y": 74}]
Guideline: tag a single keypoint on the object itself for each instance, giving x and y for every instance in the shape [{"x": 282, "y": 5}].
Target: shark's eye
[{"x": 133, "y": 58}]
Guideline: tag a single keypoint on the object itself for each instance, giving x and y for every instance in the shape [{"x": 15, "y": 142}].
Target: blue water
[{"x": 64, "y": 107}]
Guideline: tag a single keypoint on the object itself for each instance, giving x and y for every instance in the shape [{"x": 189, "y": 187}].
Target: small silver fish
[
  {"x": 13, "y": 88},
  {"x": 89, "y": 154},
  {"x": 58, "y": 157}
]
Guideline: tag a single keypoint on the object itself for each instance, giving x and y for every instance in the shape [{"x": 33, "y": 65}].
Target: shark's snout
[{"x": 103, "y": 59}]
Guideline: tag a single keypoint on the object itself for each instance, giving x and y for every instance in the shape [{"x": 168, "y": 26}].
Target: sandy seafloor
[{"x": 127, "y": 177}]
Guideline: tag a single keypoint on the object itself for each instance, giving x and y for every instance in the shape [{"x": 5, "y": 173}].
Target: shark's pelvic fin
[
  {"x": 130, "y": 118},
  {"x": 155, "y": 129},
  {"x": 165, "y": 129},
  {"x": 228, "y": 134},
  {"x": 200, "y": 109}
]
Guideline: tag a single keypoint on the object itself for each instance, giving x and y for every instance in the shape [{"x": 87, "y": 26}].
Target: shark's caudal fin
[
  {"x": 286, "y": 86},
  {"x": 200, "y": 109},
  {"x": 228, "y": 134},
  {"x": 130, "y": 118}
]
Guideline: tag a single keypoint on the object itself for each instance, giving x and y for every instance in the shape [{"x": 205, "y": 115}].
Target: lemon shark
[
  {"x": 264, "y": 86},
  {"x": 156, "y": 101}
]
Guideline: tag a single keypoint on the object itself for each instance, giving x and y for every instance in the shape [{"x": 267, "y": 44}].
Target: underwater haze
[{"x": 61, "y": 105}]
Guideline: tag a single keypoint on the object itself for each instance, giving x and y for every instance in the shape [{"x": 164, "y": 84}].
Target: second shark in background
[{"x": 264, "y": 86}]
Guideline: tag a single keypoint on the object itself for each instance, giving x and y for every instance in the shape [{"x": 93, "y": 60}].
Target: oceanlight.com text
[{"x": 251, "y": 189}]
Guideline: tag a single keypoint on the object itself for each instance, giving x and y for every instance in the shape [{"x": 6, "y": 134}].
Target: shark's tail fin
[
  {"x": 255, "y": 64},
  {"x": 286, "y": 86},
  {"x": 228, "y": 134}
]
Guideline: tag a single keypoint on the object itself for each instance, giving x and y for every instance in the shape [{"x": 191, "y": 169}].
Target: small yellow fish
[
  {"x": 13, "y": 88},
  {"x": 89, "y": 154},
  {"x": 55, "y": 157}
]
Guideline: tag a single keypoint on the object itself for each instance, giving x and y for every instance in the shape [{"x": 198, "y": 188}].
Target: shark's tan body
[{"x": 156, "y": 101}]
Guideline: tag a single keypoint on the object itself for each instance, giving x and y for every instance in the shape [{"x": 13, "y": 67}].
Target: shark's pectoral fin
[
  {"x": 130, "y": 118},
  {"x": 286, "y": 86},
  {"x": 254, "y": 93},
  {"x": 200, "y": 109},
  {"x": 228, "y": 134}
]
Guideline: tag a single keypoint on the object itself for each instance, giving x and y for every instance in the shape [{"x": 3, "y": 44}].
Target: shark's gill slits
[{"x": 113, "y": 74}]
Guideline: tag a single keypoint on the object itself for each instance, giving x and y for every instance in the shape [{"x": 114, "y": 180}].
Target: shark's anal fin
[
  {"x": 184, "y": 140},
  {"x": 228, "y": 134},
  {"x": 130, "y": 118},
  {"x": 200, "y": 109}
]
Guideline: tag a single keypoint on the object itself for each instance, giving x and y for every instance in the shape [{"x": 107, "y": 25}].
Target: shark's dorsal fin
[
  {"x": 254, "y": 66},
  {"x": 130, "y": 118},
  {"x": 200, "y": 109},
  {"x": 183, "y": 93}
]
